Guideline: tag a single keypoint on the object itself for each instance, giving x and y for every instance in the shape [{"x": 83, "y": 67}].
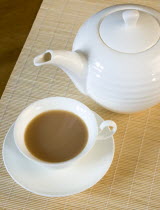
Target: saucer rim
[{"x": 54, "y": 193}]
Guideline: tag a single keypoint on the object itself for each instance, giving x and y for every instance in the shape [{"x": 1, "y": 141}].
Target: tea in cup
[{"x": 58, "y": 131}]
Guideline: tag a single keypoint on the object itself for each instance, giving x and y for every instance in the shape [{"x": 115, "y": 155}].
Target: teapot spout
[{"x": 74, "y": 64}]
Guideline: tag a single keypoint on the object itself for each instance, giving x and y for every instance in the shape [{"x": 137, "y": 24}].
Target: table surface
[
  {"x": 133, "y": 181},
  {"x": 14, "y": 31}
]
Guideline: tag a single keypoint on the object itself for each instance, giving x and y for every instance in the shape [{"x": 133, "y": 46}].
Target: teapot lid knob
[
  {"x": 130, "y": 30},
  {"x": 130, "y": 17}
]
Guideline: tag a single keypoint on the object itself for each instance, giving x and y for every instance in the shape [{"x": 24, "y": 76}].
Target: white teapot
[{"x": 115, "y": 58}]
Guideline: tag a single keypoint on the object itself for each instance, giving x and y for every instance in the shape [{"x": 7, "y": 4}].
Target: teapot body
[{"x": 121, "y": 82}]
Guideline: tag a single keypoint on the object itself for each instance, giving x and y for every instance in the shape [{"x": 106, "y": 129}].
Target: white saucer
[{"x": 58, "y": 182}]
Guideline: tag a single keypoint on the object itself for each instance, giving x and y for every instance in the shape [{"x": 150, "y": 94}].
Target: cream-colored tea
[{"x": 56, "y": 136}]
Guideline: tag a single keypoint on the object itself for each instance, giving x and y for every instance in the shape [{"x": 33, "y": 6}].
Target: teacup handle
[{"x": 102, "y": 134}]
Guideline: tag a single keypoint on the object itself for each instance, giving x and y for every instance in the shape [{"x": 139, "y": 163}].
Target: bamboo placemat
[{"x": 133, "y": 181}]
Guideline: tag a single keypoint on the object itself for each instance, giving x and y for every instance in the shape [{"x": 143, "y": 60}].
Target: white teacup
[{"x": 60, "y": 103}]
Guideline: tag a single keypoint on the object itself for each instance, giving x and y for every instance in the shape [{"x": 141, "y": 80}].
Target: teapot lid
[{"x": 129, "y": 31}]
